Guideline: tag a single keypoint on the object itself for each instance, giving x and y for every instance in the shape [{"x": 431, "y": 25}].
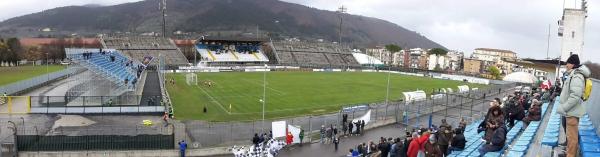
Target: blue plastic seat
[
  {"x": 590, "y": 154},
  {"x": 590, "y": 147},
  {"x": 589, "y": 139},
  {"x": 515, "y": 154},
  {"x": 519, "y": 148}
]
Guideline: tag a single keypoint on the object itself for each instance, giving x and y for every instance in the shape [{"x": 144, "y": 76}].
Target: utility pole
[
  {"x": 163, "y": 8},
  {"x": 341, "y": 11}
]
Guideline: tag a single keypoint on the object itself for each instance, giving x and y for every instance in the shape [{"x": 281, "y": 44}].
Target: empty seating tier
[
  {"x": 139, "y": 47},
  {"x": 314, "y": 54}
]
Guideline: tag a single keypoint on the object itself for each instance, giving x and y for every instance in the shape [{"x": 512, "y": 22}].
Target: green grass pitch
[
  {"x": 288, "y": 93},
  {"x": 15, "y": 74}
]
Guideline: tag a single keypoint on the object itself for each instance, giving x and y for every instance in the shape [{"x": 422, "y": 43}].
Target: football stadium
[{"x": 204, "y": 87}]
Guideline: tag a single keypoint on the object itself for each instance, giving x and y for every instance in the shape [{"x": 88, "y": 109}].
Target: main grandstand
[{"x": 222, "y": 51}]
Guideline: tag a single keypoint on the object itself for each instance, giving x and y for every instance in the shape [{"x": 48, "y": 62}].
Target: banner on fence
[
  {"x": 366, "y": 118},
  {"x": 278, "y": 129}
]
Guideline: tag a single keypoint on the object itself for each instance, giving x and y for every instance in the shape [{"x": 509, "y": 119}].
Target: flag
[{"x": 295, "y": 133}]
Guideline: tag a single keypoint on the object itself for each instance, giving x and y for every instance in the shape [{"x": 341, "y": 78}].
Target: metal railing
[{"x": 20, "y": 86}]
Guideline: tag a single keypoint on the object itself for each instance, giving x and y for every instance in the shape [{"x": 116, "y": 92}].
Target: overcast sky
[{"x": 517, "y": 25}]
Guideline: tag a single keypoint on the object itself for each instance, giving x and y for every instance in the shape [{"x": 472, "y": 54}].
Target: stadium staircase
[
  {"x": 235, "y": 56},
  {"x": 100, "y": 64}
]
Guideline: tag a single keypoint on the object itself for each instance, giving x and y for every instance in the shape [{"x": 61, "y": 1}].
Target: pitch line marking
[{"x": 214, "y": 100}]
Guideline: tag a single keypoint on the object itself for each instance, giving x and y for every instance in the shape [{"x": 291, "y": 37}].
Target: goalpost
[{"x": 191, "y": 79}]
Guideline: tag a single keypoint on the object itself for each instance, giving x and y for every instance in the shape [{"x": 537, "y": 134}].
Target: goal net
[{"x": 191, "y": 79}]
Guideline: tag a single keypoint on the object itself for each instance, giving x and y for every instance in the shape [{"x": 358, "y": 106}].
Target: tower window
[{"x": 573, "y": 34}]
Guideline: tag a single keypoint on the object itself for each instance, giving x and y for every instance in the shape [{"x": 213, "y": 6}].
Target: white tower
[{"x": 571, "y": 29}]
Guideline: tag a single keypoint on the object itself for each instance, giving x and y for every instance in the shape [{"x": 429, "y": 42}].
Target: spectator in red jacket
[{"x": 417, "y": 144}]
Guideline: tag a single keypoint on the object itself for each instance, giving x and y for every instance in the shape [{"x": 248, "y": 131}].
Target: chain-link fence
[{"x": 469, "y": 106}]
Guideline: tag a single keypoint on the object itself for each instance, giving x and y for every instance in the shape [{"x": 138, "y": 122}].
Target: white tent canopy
[
  {"x": 521, "y": 77},
  {"x": 414, "y": 96}
]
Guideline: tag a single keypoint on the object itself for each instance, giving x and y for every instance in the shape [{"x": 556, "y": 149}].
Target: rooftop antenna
[
  {"x": 162, "y": 6},
  {"x": 341, "y": 11}
]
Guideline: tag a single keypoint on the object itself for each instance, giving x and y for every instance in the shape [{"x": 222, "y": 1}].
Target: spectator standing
[
  {"x": 416, "y": 144},
  {"x": 432, "y": 149},
  {"x": 336, "y": 141},
  {"x": 571, "y": 107},
  {"x": 328, "y": 134},
  {"x": 357, "y": 124},
  {"x": 335, "y": 131},
  {"x": 350, "y": 127},
  {"x": 301, "y": 136},
  {"x": 322, "y": 132},
  {"x": 182, "y": 148},
  {"x": 444, "y": 136},
  {"x": 255, "y": 140},
  {"x": 362, "y": 126},
  {"x": 406, "y": 143},
  {"x": 383, "y": 147},
  {"x": 344, "y": 127}
]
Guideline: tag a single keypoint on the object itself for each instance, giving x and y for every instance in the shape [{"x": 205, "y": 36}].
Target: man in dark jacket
[
  {"x": 515, "y": 112},
  {"x": 458, "y": 142},
  {"x": 404, "y": 150},
  {"x": 498, "y": 141},
  {"x": 383, "y": 147},
  {"x": 444, "y": 136},
  {"x": 350, "y": 127},
  {"x": 255, "y": 139}
]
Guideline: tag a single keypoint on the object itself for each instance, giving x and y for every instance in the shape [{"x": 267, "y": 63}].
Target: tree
[
  {"x": 494, "y": 71},
  {"x": 594, "y": 68},
  {"x": 393, "y": 48},
  {"x": 14, "y": 50},
  {"x": 3, "y": 51},
  {"x": 438, "y": 51},
  {"x": 438, "y": 68}
]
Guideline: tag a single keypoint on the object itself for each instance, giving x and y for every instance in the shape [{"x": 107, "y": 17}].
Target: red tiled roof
[{"x": 46, "y": 41}]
